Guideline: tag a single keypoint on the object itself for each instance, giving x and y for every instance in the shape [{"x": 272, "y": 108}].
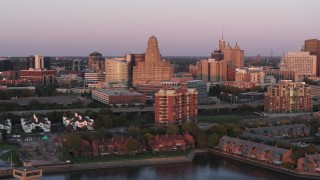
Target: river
[{"x": 203, "y": 167}]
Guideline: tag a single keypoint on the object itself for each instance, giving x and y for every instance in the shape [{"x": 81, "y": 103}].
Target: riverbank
[
  {"x": 114, "y": 164},
  {"x": 278, "y": 169},
  {"x": 164, "y": 160},
  {"x": 107, "y": 165}
]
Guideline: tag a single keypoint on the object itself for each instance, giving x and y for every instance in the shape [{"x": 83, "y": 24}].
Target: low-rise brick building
[{"x": 118, "y": 98}]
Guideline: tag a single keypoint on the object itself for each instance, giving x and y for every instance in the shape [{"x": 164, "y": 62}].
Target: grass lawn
[
  {"x": 221, "y": 119},
  {"x": 15, "y": 159},
  {"x": 79, "y": 160}
]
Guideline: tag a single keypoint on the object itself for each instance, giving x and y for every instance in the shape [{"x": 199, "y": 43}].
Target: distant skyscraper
[
  {"x": 152, "y": 68},
  {"x": 232, "y": 55},
  {"x": 77, "y": 65},
  {"x": 38, "y": 62},
  {"x": 221, "y": 66},
  {"x": 96, "y": 62},
  {"x": 313, "y": 46}
]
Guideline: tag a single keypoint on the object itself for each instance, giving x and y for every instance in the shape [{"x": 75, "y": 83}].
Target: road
[{"x": 130, "y": 109}]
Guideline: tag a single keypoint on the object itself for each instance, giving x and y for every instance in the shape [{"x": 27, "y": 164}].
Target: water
[{"x": 203, "y": 167}]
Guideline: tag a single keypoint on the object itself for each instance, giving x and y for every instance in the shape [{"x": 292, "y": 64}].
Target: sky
[{"x": 182, "y": 27}]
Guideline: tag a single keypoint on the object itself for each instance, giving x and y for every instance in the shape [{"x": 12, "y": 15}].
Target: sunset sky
[{"x": 183, "y": 27}]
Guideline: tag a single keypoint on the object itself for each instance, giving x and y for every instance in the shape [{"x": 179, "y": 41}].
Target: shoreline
[
  {"x": 107, "y": 165},
  {"x": 163, "y": 160},
  {"x": 270, "y": 167}
]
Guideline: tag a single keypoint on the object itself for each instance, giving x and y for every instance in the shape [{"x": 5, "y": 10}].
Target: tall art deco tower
[{"x": 152, "y": 68}]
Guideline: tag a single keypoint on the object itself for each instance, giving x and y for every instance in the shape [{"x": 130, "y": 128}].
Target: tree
[
  {"x": 131, "y": 145},
  {"x": 288, "y": 165},
  {"x": 73, "y": 143},
  {"x": 172, "y": 129},
  {"x": 134, "y": 130},
  {"x": 232, "y": 130},
  {"x": 215, "y": 90},
  {"x": 217, "y": 129},
  {"x": 147, "y": 136},
  {"x": 191, "y": 128},
  {"x": 101, "y": 133},
  {"x": 202, "y": 140},
  {"x": 213, "y": 140}
]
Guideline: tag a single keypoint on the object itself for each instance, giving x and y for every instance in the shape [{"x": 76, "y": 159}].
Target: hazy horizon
[{"x": 183, "y": 28}]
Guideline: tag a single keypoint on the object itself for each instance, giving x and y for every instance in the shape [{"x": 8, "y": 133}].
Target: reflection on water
[{"x": 203, "y": 167}]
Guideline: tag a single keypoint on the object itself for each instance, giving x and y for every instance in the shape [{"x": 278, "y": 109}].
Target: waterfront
[{"x": 203, "y": 167}]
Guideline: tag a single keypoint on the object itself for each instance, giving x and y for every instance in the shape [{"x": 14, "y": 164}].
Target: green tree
[
  {"x": 213, "y": 140},
  {"x": 134, "y": 130},
  {"x": 172, "y": 129},
  {"x": 215, "y": 90},
  {"x": 147, "y": 136},
  {"x": 202, "y": 140},
  {"x": 191, "y": 128},
  {"x": 101, "y": 133},
  {"x": 73, "y": 143},
  {"x": 217, "y": 129},
  {"x": 131, "y": 145},
  {"x": 232, "y": 130}
]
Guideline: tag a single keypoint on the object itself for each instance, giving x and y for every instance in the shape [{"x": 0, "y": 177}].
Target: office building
[
  {"x": 94, "y": 78},
  {"x": 96, "y": 62},
  {"x": 152, "y": 68},
  {"x": 78, "y": 65},
  {"x": 118, "y": 98},
  {"x": 212, "y": 70},
  {"x": 117, "y": 71},
  {"x": 301, "y": 62},
  {"x": 313, "y": 46},
  {"x": 39, "y": 74},
  {"x": 233, "y": 55}
]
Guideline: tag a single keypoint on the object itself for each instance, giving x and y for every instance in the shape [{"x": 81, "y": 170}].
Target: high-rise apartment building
[
  {"x": 313, "y": 46},
  {"x": 152, "y": 68},
  {"x": 288, "y": 96},
  {"x": 117, "y": 71},
  {"x": 176, "y": 106},
  {"x": 96, "y": 62},
  {"x": 301, "y": 62}
]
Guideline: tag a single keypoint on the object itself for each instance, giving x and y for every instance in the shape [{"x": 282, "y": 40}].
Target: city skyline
[{"x": 183, "y": 28}]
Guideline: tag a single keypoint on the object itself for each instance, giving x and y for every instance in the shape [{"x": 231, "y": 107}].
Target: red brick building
[
  {"x": 288, "y": 96},
  {"x": 175, "y": 106},
  {"x": 231, "y": 72},
  {"x": 162, "y": 143},
  {"x": 39, "y": 76},
  {"x": 114, "y": 146}
]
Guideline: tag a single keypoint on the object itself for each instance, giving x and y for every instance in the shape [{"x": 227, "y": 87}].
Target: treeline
[
  {"x": 41, "y": 91},
  {"x": 36, "y": 105}
]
